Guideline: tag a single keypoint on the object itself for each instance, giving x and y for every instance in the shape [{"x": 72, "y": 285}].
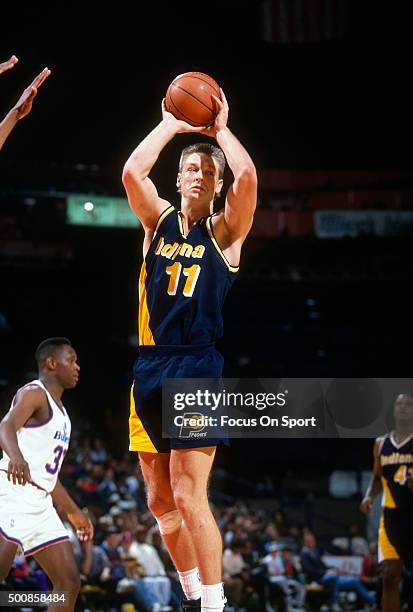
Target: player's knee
[
  {"x": 169, "y": 522},
  {"x": 159, "y": 505},
  {"x": 189, "y": 504},
  {"x": 69, "y": 581}
]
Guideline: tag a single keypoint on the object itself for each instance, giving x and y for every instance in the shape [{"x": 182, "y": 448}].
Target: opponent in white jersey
[{"x": 34, "y": 436}]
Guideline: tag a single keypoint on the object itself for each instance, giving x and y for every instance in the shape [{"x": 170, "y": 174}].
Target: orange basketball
[{"x": 189, "y": 98}]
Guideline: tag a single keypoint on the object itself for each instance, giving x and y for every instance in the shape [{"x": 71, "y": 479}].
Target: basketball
[{"x": 189, "y": 98}]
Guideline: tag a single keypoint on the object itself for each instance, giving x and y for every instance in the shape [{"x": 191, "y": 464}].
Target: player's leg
[
  {"x": 160, "y": 500},
  {"x": 58, "y": 561},
  {"x": 7, "y": 553},
  {"x": 392, "y": 573},
  {"x": 189, "y": 472}
]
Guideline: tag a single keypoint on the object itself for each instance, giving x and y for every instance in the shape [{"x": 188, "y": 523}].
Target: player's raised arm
[
  {"x": 241, "y": 198},
  {"x": 142, "y": 194},
  {"x": 375, "y": 486},
  {"x": 23, "y": 106},
  {"x": 28, "y": 401}
]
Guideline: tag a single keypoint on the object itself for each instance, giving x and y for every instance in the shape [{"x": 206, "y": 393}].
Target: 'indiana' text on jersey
[
  {"x": 397, "y": 472},
  {"x": 183, "y": 284}
]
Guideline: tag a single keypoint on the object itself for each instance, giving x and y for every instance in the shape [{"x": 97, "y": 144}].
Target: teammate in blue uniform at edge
[
  {"x": 191, "y": 258},
  {"x": 393, "y": 476}
]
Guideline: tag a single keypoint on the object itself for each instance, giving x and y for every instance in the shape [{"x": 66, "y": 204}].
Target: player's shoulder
[
  {"x": 30, "y": 393},
  {"x": 379, "y": 441}
]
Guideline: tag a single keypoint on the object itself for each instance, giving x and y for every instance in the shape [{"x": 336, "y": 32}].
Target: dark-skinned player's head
[
  {"x": 403, "y": 409},
  {"x": 57, "y": 359}
]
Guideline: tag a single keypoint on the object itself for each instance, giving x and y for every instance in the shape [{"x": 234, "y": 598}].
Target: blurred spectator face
[
  {"x": 373, "y": 548},
  {"x": 294, "y": 531},
  {"x": 309, "y": 540},
  {"x": 113, "y": 539},
  {"x": 97, "y": 471},
  {"x": 157, "y": 539},
  {"x": 247, "y": 546},
  {"x": 127, "y": 539},
  {"x": 141, "y": 534},
  {"x": 236, "y": 547}
]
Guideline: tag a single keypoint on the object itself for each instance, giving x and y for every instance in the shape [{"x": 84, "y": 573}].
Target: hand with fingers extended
[
  {"x": 24, "y": 104},
  {"x": 8, "y": 64},
  {"x": 18, "y": 470},
  {"x": 179, "y": 125},
  {"x": 221, "y": 118}
]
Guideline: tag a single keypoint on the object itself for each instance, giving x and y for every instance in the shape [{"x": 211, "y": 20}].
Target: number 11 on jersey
[{"x": 191, "y": 273}]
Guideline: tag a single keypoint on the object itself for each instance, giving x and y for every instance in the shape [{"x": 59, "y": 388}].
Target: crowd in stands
[{"x": 269, "y": 563}]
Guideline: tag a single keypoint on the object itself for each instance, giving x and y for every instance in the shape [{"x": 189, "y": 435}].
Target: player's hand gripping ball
[{"x": 189, "y": 98}]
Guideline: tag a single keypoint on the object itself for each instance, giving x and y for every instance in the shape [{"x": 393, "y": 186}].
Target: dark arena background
[{"x": 320, "y": 95}]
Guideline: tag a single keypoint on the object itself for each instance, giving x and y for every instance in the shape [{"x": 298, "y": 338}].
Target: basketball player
[
  {"x": 393, "y": 474},
  {"x": 191, "y": 259},
  {"x": 24, "y": 105},
  {"x": 34, "y": 436}
]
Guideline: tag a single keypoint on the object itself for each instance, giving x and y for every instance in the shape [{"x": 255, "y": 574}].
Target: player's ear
[
  {"x": 178, "y": 182},
  {"x": 218, "y": 188},
  {"x": 51, "y": 363}
]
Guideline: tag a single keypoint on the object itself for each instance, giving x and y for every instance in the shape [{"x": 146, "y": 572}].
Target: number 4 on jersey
[{"x": 402, "y": 474}]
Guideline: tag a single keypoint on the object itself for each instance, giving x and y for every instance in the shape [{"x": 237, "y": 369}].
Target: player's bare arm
[
  {"x": 30, "y": 406},
  {"x": 80, "y": 521},
  {"x": 232, "y": 226},
  {"x": 375, "y": 486},
  {"x": 142, "y": 194},
  {"x": 23, "y": 106}
]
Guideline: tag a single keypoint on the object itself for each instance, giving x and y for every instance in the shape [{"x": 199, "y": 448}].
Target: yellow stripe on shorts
[
  {"x": 386, "y": 549},
  {"x": 138, "y": 436}
]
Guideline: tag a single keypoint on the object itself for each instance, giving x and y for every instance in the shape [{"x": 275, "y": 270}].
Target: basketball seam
[
  {"x": 179, "y": 110},
  {"x": 193, "y": 76},
  {"x": 194, "y": 97},
  {"x": 183, "y": 114}
]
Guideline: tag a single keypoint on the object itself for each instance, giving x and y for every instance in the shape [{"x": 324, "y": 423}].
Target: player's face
[
  {"x": 67, "y": 368},
  {"x": 403, "y": 409},
  {"x": 199, "y": 177}
]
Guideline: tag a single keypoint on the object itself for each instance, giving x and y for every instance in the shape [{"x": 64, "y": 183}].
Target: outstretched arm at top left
[{"x": 22, "y": 107}]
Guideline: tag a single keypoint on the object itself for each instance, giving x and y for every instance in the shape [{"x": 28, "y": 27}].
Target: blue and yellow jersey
[
  {"x": 396, "y": 462},
  {"x": 183, "y": 284}
]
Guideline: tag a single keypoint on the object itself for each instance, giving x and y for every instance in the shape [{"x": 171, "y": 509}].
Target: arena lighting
[{"x": 88, "y": 206}]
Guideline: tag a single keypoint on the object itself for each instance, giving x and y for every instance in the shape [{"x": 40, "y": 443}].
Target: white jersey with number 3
[{"x": 43, "y": 445}]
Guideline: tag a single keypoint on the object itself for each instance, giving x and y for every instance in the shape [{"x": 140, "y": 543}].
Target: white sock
[
  {"x": 212, "y": 597},
  {"x": 191, "y": 583}
]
